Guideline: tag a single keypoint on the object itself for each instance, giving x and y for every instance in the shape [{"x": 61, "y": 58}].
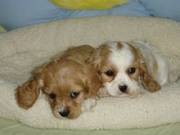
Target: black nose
[
  {"x": 64, "y": 112},
  {"x": 123, "y": 88}
]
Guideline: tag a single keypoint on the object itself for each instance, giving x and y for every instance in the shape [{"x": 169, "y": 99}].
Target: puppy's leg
[
  {"x": 103, "y": 93},
  {"x": 88, "y": 104}
]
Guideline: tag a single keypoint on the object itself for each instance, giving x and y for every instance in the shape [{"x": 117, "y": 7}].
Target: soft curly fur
[
  {"x": 127, "y": 67},
  {"x": 24, "y": 49},
  {"x": 67, "y": 80}
]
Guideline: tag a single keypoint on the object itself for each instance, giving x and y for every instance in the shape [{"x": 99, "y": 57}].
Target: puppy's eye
[
  {"x": 52, "y": 96},
  {"x": 109, "y": 72},
  {"x": 131, "y": 70},
  {"x": 74, "y": 94}
]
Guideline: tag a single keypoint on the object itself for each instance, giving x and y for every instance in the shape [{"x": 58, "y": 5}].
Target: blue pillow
[
  {"x": 132, "y": 8},
  {"x": 163, "y": 8},
  {"x": 19, "y": 13}
]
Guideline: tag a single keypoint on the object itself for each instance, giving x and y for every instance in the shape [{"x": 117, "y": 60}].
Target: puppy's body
[
  {"x": 127, "y": 67},
  {"x": 68, "y": 81}
]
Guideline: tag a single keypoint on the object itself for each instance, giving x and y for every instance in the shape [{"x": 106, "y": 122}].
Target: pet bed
[
  {"x": 9, "y": 127},
  {"x": 23, "y": 49}
]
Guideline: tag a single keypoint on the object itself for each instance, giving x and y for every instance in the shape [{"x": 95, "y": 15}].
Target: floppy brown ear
[
  {"x": 147, "y": 80},
  {"x": 95, "y": 59},
  {"x": 93, "y": 82},
  {"x": 99, "y": 56},
  {"x": 27, "y": 93}
]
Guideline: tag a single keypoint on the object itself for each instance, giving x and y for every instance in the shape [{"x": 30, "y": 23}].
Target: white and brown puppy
[
  {"x": 69, "y": 83},
  {"x": 127, "y": 67}
]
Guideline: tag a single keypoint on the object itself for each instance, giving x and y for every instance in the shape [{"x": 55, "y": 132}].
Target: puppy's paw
[
  {"x": 88, "y": 104},
  {"x": 103, "y": 93}
]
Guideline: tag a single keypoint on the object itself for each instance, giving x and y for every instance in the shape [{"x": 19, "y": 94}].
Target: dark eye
[
  {"x": 109, "y": 72},
  {"x": 74, "y": 94},
  {"x": 131, "y": 70},
  {"x": 52, "y": 96}
]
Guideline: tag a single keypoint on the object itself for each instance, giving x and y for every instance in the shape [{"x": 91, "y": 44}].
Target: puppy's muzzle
[
  {"x": 123, "y": 88},
  {"x": 64, "y": 112}
]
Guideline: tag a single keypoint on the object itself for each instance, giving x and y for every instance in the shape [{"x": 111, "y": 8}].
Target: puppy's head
[
  {"x": 122, "y": 69},
  {"x": 66, "y": 84}
]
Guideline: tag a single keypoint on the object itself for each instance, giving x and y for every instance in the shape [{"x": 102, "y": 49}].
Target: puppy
[
  {"x": 127, "y": 67},
  {"x": 68, "y": 81}
]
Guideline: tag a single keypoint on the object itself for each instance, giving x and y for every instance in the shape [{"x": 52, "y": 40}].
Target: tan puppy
[{"x": 70, "y": 84}]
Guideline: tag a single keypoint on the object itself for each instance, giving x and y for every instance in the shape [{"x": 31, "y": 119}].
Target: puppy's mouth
[
  {"x": 132, "y": 93},
  {"x": 123, "y": 89},
  {"x": 66, "y": 113}
]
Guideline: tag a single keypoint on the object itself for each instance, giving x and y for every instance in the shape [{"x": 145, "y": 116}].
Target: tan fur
[
  {"x": 62, "y": 75},
  {"x": 119, "y": 45},
  {"x": 100, "y": 61},
  {"x": 136, "y": 62},
  {"x": 102, "y": 64},
  {"x": 148, "y": 82},
  {"x": 145, "y": 77},
  {"x": 27, "y": 94}
]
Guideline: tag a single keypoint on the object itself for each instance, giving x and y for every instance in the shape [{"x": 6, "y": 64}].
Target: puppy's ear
[
  {"x": 27, "y": 93},
  {"x": 147, "y": 80},
  {"x": 92, "y": 82},
  {"x": 95, "y": 59},
  {"x": 99, "y": 56}
]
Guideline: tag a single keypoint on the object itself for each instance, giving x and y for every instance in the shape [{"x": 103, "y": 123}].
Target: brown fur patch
[
  {"x": 119, "y": 45},
  {"x": 142, "y": 71},
  {"x": 61, "y": 76},
  {"x": 102, "y": 64},
  {"x": 27, "y": 94},
  {"x": 148, "y": 82},
  {"x": 135, "y": 63}
]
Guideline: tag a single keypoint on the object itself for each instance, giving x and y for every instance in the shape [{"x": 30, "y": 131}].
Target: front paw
[
  {"x": 103, "y": 93},
  {"x": 88, "y": 104}
]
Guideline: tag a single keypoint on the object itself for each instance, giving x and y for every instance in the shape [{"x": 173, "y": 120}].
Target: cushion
[
  {"x": 19, "y": 13},
  {"x": 163, "y": 8},
  {"x": 23, "y": 49}
]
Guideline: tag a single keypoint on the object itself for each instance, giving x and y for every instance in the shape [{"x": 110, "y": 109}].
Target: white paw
[
  {"x": 103, "y": 93},
  {"x": 88, "y": 104}
]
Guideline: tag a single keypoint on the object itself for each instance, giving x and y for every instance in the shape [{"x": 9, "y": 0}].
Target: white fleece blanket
[{"x": 23, "y": 49}]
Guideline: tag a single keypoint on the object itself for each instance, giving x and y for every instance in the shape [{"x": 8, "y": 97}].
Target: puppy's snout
[
  {"x": 64, "y": 112},
  {"x": 123, "y": 88}
]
